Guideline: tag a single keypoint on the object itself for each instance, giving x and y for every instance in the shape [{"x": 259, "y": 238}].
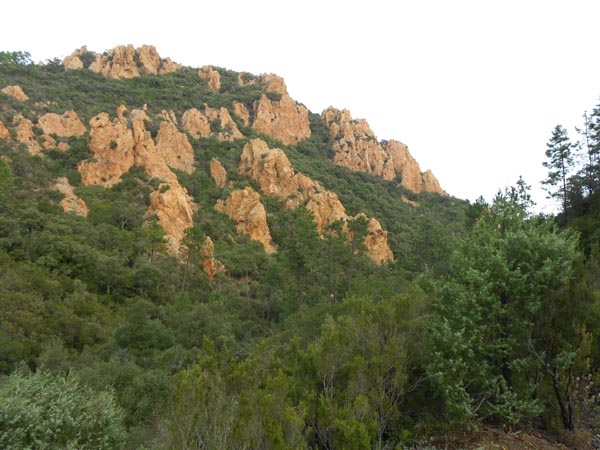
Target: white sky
[{"x": 474, "y": 88}]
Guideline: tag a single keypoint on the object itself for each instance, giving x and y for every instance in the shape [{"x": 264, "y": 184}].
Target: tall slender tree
[{"x": 560, "y": 163}]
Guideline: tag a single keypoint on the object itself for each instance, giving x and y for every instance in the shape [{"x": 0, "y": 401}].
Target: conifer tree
[{"x": 559, "y": 164}]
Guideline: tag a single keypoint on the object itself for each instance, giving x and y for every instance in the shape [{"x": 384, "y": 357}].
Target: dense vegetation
[{"x": 490, "y": 313}]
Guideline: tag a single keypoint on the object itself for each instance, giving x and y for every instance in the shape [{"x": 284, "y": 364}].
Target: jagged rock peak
[
  {"x": 118, "y": 145},
  {"x": 65, "y": 125},
  {"x": 211, "y": 76},
  {"x": 356, "y": 147},
  {"x": 15, "y": 92},
  {"x": 244, "y": 207},
  {"x": 278, "y": 115},
  {"x": 218, "y": 173},
  {"x": 276, "y": 176},
  {"x": 123, "y": 61},
  {"x": 4, "y": 133}
]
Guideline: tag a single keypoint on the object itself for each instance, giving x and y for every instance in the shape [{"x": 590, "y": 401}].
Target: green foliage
[
  {"x": 504, "y": 277},
  {"x": 43, "y": 411},
  {"x": 19, "y": 57}
]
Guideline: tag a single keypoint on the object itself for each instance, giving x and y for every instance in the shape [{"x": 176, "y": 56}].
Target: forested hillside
[{"x": 190, "y": 259}]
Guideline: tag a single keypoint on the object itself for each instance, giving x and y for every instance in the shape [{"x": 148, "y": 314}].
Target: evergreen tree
[{"x": 560, "y": 163}]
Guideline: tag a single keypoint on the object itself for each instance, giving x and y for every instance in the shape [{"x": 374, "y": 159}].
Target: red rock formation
[
  {"x": 279, "y": 116},
  {"x": 71, "y": 203},
  {"x": 244, "y": 206},
  {"x": 15, "y": 92},
  {"x": 211, "y": 76},
  {"x": 65, "y": 125},
  {"x": 4, "y": 133},
  {"x": 228, "y": 129},
  {"x": 275, "y": 175},
  {"x": 119, "y": 145},
  {"x": 24, "y": 133},
  {"x": 196, "y": 123},
  {"x": 218, "y": 173},
  {"x": 210, "y": 265},
  {"x": 357, "y": 148},
  {"x": 175, "y": 147},
  {"x": 124, "y": 61},
  {"x": 240, "y": 111}
]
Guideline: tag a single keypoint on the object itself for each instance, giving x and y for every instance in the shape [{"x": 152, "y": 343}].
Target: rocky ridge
[
  {"x": 276, "y": 176},
  {"x": 356, "y": 147},
  {"x": 244, "y": 207},
  {"x": 278, "y": 115},
  {"x": 123, "y": 61}
]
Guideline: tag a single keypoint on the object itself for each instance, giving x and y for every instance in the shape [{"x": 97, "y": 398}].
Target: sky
[{"x": 474, "y": 88}]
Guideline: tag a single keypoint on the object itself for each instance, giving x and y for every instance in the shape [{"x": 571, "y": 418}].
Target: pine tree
[{"x": 560, "y": 164}]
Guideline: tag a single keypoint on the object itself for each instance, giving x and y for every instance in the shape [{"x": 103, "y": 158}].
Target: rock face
[
  {"x": 195, "y": 123},
  {"x": 240, "y": 110},
  {"x": 244, "y": 206},
  {"x": 279, "y": 116},
  {"x": 175, "y": 147},
  {"x": 118, "y": 145},
  {"x": 4, "y": 133},
  {"x": 218, "y": 173},
  {"x": 71, "y": 203},
  {"x": 123, "y": 61},
  {"x": 198, "y": 123},
  {"x": 228, "y": 129},
  {"x": 24, "y": 133},
  {"x": 211, "y": 76},
  {"x": 210, "y": 265},
  {"x": 15, "y": 92},
  {"x": 376, "y": 242},
  {"x": 357, "y": 148},
  {"x": 276, "y": 176},
  {"x": 65, "y": 125}
]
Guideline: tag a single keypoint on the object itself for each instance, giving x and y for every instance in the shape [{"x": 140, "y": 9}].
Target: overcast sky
[{"x": 474, "y": 88}]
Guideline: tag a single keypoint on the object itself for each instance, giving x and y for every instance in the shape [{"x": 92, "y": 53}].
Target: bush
[{"x": 44, "y": 411}]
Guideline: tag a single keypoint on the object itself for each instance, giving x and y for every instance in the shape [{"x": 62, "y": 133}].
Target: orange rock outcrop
[
  {"x": 195, "y": 123},
  {"x": 4, "y": 133},
  {"x": 240, "y": 111},
  {"x": 118, "y": 145},
  {"x": 175, "y": 147},
  {"x": 228, "y": 129},
  {"x": 24, "y": 133},
  {"x": 356, "y": 147},
  {"x": 70, "y": 203},
  {"x": 276, "y": 176},
  {"x": 123, "y": 61},
  {"x": 244, "y": 207},
  {"x": 15, "y": 92},
  {"x": 210, "y": 265},
  {"x": 279, "y": 116},
  {"x": 65, "y": 125},
  {"x": 218, "y": 173},
  {"x": 211, "y": 76}
]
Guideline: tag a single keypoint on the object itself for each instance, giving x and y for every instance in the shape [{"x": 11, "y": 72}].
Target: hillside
[{"x": 224, "y": 268}]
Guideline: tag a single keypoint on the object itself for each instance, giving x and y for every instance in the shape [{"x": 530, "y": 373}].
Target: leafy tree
[
  {"x": 19, "y": 57},
  {"x": 485, "y": 312},
  {"x": 560, "y": 164},
  {"x": 44, "y": 411}
]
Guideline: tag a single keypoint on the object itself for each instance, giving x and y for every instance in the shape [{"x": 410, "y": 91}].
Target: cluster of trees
[
  {"x": 574, "y": 176},
  {"x": 490, "y": 313}
]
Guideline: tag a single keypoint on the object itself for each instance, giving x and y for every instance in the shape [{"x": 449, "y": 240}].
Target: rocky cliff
[
  {"x": 276, "y": 176},
  {"x": 356, "y": 147},
  {"x": 279, "y": 116},
  {"x": 244, "y": 207},
  {"x": 118, "y": 145},
  {"x": 123, "y": 61}
]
